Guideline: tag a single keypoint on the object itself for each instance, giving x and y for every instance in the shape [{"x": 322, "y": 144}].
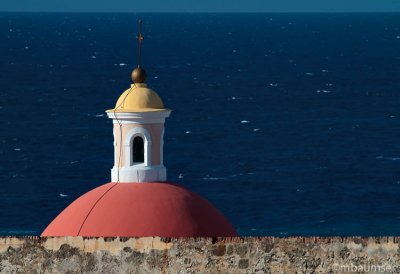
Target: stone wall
[{"x": 200, "y": 255}]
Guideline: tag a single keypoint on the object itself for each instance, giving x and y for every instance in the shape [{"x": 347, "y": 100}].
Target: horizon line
[{"x": 203, "y": 12}]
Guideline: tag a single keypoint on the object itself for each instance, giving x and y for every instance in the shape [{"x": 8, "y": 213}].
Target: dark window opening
[{"x": 138, "y": 150}]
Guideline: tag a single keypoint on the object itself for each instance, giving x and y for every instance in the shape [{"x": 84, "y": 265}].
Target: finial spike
[
  {"x": 139, "y": 74},
  {"x": 140, "y": 39}
]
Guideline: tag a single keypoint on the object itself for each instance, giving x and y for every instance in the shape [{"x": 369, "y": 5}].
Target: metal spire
[
  {"x": 140, "y": 39},
  {"x": 139, "y": 74}
]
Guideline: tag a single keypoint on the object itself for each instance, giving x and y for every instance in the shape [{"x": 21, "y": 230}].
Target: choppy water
[{"x": 289, "y": 123}]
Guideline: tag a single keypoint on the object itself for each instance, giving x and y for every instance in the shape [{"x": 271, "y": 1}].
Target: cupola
[{"x": 138, "y": 201}]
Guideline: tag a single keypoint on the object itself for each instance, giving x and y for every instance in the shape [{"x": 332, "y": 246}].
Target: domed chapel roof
[{"x": 140, "y": 209}]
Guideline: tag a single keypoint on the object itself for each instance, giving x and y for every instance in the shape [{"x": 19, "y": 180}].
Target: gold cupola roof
[{"x": 138, "y": 98}]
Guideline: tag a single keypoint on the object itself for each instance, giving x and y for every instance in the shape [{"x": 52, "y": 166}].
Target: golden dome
[{"x": 138, "y": 98}]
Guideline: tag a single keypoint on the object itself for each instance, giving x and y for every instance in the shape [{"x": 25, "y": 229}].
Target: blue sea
[{"x": 288, "y": 123}]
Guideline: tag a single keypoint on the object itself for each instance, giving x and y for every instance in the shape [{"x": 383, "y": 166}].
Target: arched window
[
  {"x": 138, "y": 150},
  {"x": 138, "y": 147}
]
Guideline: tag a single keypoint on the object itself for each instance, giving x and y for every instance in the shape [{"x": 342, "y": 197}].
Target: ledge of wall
[{"x": 200, "y": 255}]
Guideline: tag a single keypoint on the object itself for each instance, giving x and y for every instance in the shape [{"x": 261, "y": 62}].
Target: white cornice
[{"x": 153, "y": 117}]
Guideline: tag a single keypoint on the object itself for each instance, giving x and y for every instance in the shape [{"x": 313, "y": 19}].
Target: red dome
[{"x": 139, "y": 210}]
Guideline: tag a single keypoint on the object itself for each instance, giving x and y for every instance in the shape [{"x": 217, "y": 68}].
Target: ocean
[{"x": 288, "y": 123}]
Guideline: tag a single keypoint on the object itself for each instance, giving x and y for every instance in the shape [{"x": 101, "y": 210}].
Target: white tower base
[{"x": 139, "y": 173}]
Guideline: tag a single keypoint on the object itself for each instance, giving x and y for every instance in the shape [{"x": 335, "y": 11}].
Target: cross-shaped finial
[
  {"x": 138, "y": 74},
  {"x": 140, "y": 39}
]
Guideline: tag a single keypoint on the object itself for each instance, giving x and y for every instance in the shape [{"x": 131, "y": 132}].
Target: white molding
[
  {"x": 143, "y": 133},
  {"x": 152, "y": 117},
  {"x": 139, "y": 173},
  {"x": 127, "y": 122}
]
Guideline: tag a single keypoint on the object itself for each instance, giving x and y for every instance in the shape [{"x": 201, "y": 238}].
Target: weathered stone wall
[{"x": 200, "y": 255}]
